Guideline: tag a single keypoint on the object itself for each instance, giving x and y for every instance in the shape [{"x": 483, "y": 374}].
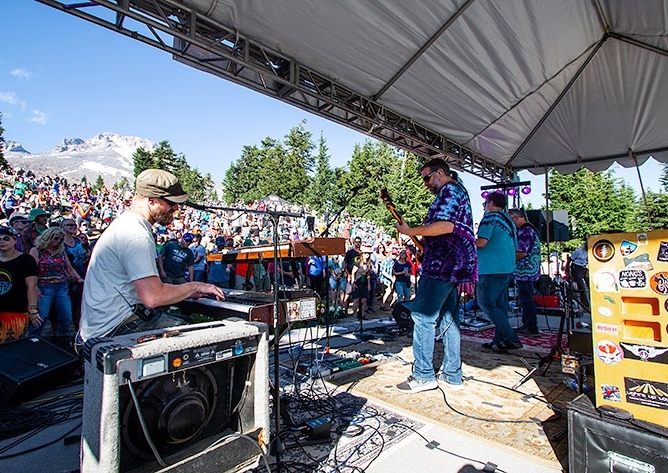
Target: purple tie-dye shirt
[{"x": 451, "y": 257}]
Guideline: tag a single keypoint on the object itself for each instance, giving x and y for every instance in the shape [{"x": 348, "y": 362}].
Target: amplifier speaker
[
  {"x": 555, "y": 220},
  {"x": 609, "y": 440},
  {"x": 402, "y": 316},
  {"x": 32, "y": 366},
  {"x": 195, "y": 390}
]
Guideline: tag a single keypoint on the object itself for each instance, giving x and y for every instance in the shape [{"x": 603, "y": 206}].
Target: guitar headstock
[{"x": 385, "y": 197}]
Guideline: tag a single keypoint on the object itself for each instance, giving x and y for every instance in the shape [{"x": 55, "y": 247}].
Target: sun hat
[{"x": 34, "y": 213}]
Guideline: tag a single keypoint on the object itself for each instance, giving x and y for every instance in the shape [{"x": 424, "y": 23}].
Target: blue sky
[{"x": 63, "y": 77}]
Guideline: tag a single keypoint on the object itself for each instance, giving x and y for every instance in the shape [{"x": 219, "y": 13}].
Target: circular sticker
[
  {"x": 603, "y": 250},
  {"x": 605, "y": 281},
  {"x": 609, "y": 352},
  {"x": 659, "y": 283},
  {"x": 604, "y": 311}
]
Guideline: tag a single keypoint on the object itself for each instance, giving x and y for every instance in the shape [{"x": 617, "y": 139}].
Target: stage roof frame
[{"x": 492, "y": 87}]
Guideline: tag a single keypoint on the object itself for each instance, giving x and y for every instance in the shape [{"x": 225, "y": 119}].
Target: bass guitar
[{"x": 387, "y": 200}]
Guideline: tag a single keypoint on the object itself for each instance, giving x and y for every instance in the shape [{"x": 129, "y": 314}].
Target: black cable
[{"x": 39, "y": 447}]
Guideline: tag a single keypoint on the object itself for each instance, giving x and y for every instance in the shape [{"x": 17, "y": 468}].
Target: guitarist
[{"x": 449, "y": 259}]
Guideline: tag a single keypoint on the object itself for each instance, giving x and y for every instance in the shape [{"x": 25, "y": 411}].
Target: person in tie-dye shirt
[{"x": 449, "y": 258}]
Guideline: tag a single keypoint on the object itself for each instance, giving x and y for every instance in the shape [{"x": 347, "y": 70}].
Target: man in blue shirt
[
  {"x": 449, "y": 259},
  {"x": 496, "y": 243}
]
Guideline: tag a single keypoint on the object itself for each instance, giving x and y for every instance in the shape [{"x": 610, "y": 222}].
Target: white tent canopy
[{"x": 492, "y": 86}]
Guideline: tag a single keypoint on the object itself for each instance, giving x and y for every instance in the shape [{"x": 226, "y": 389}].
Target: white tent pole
[
  {"x": 642, "y": 187},
  {"x": 547, "y": 224}
]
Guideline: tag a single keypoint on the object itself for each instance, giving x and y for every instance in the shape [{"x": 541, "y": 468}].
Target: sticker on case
[
  {"x": 607, "y": 328},
  {"x": 626, "y": 248},
  {"x": 610, "y": 392},
  {"x": 632, "y": 279},
  {"x": 642, "y": 238},
  {"x": 605, "y": 281},
  {"x": 645, "y": 353},
  {"x": 639, "y": 262},
  {"x": 659, "y": 283},
  {"x": 646, "y": 392},
  {"x": 603, "y": 250},
  {"x": 609, "y": 352},
  {"x": 663, "y": 252}
]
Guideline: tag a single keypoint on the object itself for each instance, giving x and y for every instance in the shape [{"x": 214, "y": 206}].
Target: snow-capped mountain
[{"x": 108, "y": 155}]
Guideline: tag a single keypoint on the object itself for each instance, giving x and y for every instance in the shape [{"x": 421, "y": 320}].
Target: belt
[{"x": 132, "y": 318}]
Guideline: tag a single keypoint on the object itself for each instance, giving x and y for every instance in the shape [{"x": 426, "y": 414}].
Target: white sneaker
[
  {"x": 414, "y": 385},
  {"x": 450, "y": 387}
]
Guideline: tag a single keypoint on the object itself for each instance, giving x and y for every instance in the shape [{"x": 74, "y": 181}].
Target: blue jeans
[
  {"x": 525, "y": 290},
  {"x": 493, "y": 300},
  {"x": 199, "y": 275},
  {"x": 436, "y": 302},
  {"x": 58, "y": 296},
  {"x": 403, "y": 290}
]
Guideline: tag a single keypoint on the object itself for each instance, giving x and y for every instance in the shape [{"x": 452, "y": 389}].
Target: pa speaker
[
  {"x": 402, "y": 316},
  {"x": 612, "y": 441},
  {"x": 177, "y": 399},
  {"x": 32, "y": 366},
  {"x": 554, "y": 220}
]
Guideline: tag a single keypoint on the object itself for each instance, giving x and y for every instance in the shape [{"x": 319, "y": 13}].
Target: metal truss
[{"x": 200, "y": 42}]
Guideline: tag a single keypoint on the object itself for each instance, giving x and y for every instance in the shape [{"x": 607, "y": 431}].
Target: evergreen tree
[
  {"x": 319, "y": 195},
  {"x": 664, "y": 178},
  {"x": 163, "y": 157},
  {"x": 3, "y": 162},
  {"x": 122, "y": 185},
  {"x": 142, "y": 160},
  {"x": 596, "y": 203},
  {"x": 657, "y": 206},
  {"x": 241, "y": 178},
  {"x": 99, "y": 184}
]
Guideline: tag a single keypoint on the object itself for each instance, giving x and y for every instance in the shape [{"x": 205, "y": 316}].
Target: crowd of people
[
  {"x": 58, "y": 223},
  {"x": 104, "y": 263}
]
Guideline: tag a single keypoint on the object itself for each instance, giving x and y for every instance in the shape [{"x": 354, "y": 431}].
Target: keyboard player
[{"x": 122, "y": 285}]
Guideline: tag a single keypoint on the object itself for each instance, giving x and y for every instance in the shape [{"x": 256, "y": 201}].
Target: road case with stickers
[{"x": 628, "y": 280}]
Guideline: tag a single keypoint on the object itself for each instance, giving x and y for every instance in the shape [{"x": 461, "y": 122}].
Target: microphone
[{"x": 194, "y": 205}]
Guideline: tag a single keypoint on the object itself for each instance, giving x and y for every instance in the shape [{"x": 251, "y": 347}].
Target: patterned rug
[
  {"x": 519, "y": 420},
  {"x": 360, "y": 429}
]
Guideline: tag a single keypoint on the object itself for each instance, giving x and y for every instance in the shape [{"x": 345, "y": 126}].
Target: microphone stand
[
  {"x": 325, "y": 233},
  {"x": 276, "y": 446}
]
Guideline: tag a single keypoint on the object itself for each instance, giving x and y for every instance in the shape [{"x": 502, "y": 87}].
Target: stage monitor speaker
[
  {"x": 605, "y": 441},
  {"x": 32, "y": 366},
  {"x": 196, "y": 387},
  {"x": 402, "y": 316},
  {"x": 556, "y": 220}
]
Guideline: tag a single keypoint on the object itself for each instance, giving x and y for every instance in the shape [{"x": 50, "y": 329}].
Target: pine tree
[
  {"x": 99, "y": 184},
  {"x": 596, "y": 202},
  {"x": 319, "y": 195}
]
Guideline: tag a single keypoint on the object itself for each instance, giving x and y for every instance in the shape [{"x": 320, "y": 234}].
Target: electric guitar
[{"x": 387, "y": 200}]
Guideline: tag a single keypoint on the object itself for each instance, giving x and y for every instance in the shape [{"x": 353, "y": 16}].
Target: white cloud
[
  {"x": 38, "y": 117},
  {"x": 21, "y": 74},
  {"x": 12, "y": 99}
]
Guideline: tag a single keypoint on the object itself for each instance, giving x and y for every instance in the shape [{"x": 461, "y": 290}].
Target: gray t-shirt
[{"x": 124, "y": 253}]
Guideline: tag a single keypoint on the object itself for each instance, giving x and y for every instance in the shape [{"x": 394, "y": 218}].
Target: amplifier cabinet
[
  {"x": 610, "y": 440},
  {"x": 196, "y": 387},
  {"x": 32, "y": 366}
]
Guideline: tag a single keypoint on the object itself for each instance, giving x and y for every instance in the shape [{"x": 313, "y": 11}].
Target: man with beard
[
  {"x": 122, "y": 273},
  {"x": 449, "y": 259}
]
